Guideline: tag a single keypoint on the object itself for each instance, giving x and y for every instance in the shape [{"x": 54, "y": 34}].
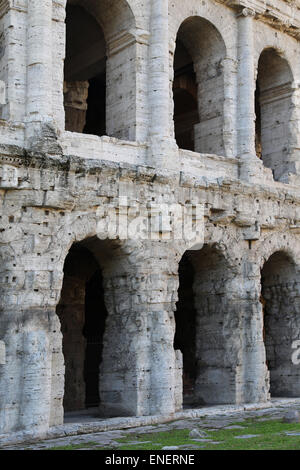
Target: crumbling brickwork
[{"x": 67, "y": 163}]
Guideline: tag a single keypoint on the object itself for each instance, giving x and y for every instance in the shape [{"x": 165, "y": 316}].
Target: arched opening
[
  {"x": 281, "y": 309},
  {"x": 198, "y": 87},
  {"x": 94, "y": 360},
  {"x": 273, "y": 111},
  {"x": 82, "y": 314},
  {"x": 185, "y": 335},
  {"x": 84, "y": 73},
  {"x": 203, "y": 315},
  {"x": 100, "y": 76},
  {"x": 185, "y": 98}
]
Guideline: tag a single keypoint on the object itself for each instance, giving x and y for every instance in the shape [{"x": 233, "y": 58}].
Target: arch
[
  {"x": 185, "y": 117},
  {"x": 278, "y": 242},
  {"x": 286, "y": 45},
  {"x": 84, "y": 72},
  {"x": 94, "y": 32},
  {"x": 82, "y": 315},
  {"x": 185, "y": 317},
  {"x": 280, "y": 300},
  {"x": 273, "y": 106},
  {"x": 87, "y": 334},
  {"x": 113, "y": 17},
  {"x": 198, "y": 68},
  {"x": 216, "y": 14},
  {"x": 205, "y": 314}
]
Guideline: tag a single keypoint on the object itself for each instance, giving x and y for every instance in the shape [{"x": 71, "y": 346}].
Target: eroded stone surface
[{"x": 223, "y": 329}]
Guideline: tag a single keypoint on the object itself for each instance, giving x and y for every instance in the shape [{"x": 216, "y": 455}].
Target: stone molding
[
  {"x": 283, "y": 15},
  {"x": 6, "y": 5},
  {"x": 124, "y": 39}
]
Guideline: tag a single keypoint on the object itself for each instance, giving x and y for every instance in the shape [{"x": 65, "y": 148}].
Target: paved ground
[{"x": 107, "y": 439}]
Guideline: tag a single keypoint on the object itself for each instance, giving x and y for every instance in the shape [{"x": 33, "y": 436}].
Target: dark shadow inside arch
[
  {"x": 273, "y": 107},
  {"x": 281, "y": 309},
  {"x": 203, "y": 311},
  {"x": 198, "y": 87},
  {"x": 84, "y": 73},
  {"x": 82, "y": 315},
  {"x": 185, "y": 91},
  {"x": 185, "y": 335}
]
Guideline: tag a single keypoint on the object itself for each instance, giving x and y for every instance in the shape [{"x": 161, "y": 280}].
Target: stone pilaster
[
  {"x": 161, "y": 143},
  {"x": 26, "y": 330},
  {"x": 39, "y": 65},
  {"x": 229, "y": 128},
  {"x": 252, "y": 168},
  {"x": 254, "y": 376},
  {"x": 12, "y": 67},
  {"x": 249, "y": 163},
  {"x": 139, "y": 370},
  {"x": 124, "y": 371},
  {"x": 125, "y": 117}
]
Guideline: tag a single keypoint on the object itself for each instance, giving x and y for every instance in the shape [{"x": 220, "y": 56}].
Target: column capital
[
  {"x": 246, "y": 12},
  {"x": 6, "y": 5}
]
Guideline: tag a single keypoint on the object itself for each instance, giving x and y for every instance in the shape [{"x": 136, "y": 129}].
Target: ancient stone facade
[{"x": 179, "y": 102}]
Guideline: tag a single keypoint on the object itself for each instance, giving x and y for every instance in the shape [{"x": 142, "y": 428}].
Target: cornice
[{"x": 283, "y": 15}]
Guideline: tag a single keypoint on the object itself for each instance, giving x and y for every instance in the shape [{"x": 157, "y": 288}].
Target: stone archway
[
  {"x": 198, "y": 87},
  {"x": 84, "y": 73},
  {"x": 82, "y": 315},
  {"x": 185, "y": 92},
  {"x": 185, "y": 335},
  {"x": 120, "y": 369},
  {"x": 281, "y": 308},
  {"x": 273, "y": 108},
  {"x": 206, "y": 313},
  {"x": 100, "y": 68}
]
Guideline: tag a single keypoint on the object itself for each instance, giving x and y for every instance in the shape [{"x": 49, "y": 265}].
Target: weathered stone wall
[
  {"x": 56, "y": 188},
  {"x": 13, "y": 63},
  {"x": 217, "y": 328},
  {"x": 280, "y": 281},
  {"x": 44, "y": 216}
]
